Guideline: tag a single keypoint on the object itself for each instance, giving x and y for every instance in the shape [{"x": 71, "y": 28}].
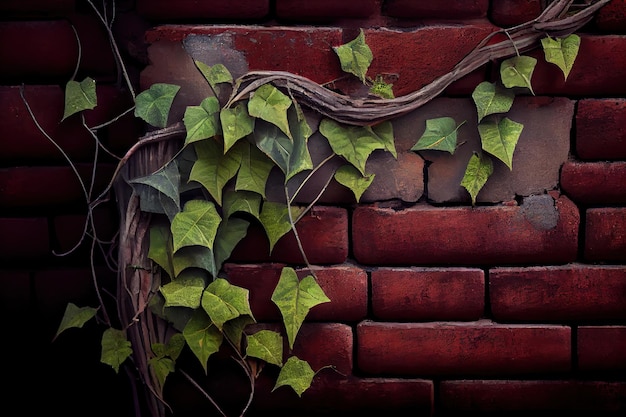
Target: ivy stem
[
  {"x": 313, "y": 171},
  {"x": 206, "y": 394}
]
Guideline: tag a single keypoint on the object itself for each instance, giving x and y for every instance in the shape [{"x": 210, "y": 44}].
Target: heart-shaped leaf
[
  {"x": 266, "y": 345},
  {"x": 269, "y": 104},
  {"x": 153, "y": 105},
  {"x": 186, "y": 289},
  {"x": 518, "y": 72},
  {"x": 79, "y": 96},
  {"x": 491, "y": 98},
  {"x": 477, "y": 172},
  {"x": 275, "y": 220},
  {"x": 115, "y": 348},
  {"x": 215, "y": 75},
  {"x": 202, "y": 122},
  {"x": 500, "y": 138},
  {"x": 254, "y": 170},
  {"x": 75, "y": 316},
  {"x": 561, "y": 52},
  {"x": 202, "y": 336},
  {"x": 355, "y": 56},
  {"x": 296, "y": 374},
  {"x": 351, "y": 178},
  {"x": 236, "y": 124},
  {"x": 223, "y": 301},
  {"x": 196, "y": 225},
  {"x": 440, "y": 134}
]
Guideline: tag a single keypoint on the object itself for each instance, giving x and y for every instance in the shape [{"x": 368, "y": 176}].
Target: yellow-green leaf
[
  {"x": 196, "y": 225},
  {"x": 491, "y": 98},
  {"x": 477, "y": 172},
  {"x": 153, "y": 105},
  {"x": 269, "y": 104},
  {"x": 561, "y": 52},
  {"x": 115, "y": 348},
  {"x": 500, "y": 138},
  {"x": 202, "y": 336},
  {"x": 351, "y": 178},
  {"x": 355, "y": 56},
  {"x": 75, "y": 316},
  {"x": 518, "y": 72},
  {"x": 236, "y": 124},
  {"x": 79, "y": 96},
  {"x": 275, "y": 220},
  {"x": 296, "y": 374},
  {"x": 202, "y": 122},
  {"x": 440, "y": 135},
  {"x": 223, "y": 301},
  {"x": 266, "y": 345}
]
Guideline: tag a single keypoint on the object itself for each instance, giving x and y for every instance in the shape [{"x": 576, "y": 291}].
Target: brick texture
[
  {"x": 553, "y": 293},
  {"x": 160, "y": 10},
  {"x": 594, "y": 183},
  {"x": 325, "y": 10},
  {"x": 443, "y": 9},
  {"x": 605, "y": 234},
  {"x": 482, "y": 235},
  {"x": 602, "y": 348},
  {"x": 24, "y": 238},
  {"x": 599, "y": 129},
  {"x": 507, "y": 13},
  {"x": 422, "y": 294},
  {"x": 472, "y": 348}
]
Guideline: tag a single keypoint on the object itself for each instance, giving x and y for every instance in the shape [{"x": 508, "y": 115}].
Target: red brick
[
  {"x": 325, "y": 10},
  {"x": 408, "y": 54},
  {"x": 612, "y": 17},
  {"x": 602, "y": 348},
  {"x": 507, "y": 13},
  {"x": 21, "y": 139},
  {"x": 556, "y": 293},
  {"x": 47, "y": 51},
  {"x": 15, "y": 296},
  {"x": 594, "y": 182},
  {"x": 323, "y": 233},
  {"x": 599, "y": 129},
  {"x": 36, "y": 8},
  {"x": 424, "y": 294},
  {"x": 194, "y": 10},
  {"x": 599, "y": 70},
  {"x": 442, "y": 9},
  {"x": 469, "y": 348},
  {"x": 605, "y": 234},
  {"x": 424, "y": 234},
  {"x": 531, "y": 396},
  {"x": 23, "y": 238},
  {"x": 345, "y": 286}
]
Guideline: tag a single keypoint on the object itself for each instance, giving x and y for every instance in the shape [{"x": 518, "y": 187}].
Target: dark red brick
[
  {"x": 507, "y": 13},
  {"x": 612, "y": 17},
  {"x": 556, "y": 293},
  {"x": 36, "y": 8},
  {"x": 599, "y": 70},
  {"x": 325, "y": 10},
  {"x": 408, "y": 54},
  {"x": 323, "y": 233},
  {"x": 594, "y": 182},
  {"x": 193, "y": 10},
  {"x": 21, "y": 139},
  {"x": 600, "y": 129},
  {"x": 602, "y": 348},
  {"x": 15, "y": 297},
  {"x": 24, "y": 238},
  {"x": 605, "y": 234},
  {"x": 442, "y": 9},
  {"x": 424, "y": 234},
  {"x": 345, "y": 286},
  {"x": 532, "y": 396},
  {"x": 326, "y": 344},
  {"x": 423, "y": 294},
  {"x": 469, "y": 348}
]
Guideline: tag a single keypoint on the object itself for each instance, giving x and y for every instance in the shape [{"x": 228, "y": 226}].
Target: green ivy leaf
[
  {"x": 351, "y": 178},
  {"x": 561, "y": 52},
  {"x": 491, "y": 98},
  {"x": 202, "y": 122},
  {"x": 195, "y": 257},
  {"x": 153, "y": 105},
  {"x": 160, "y": 250},
  {"x": 254, "y": 170},
  {"x": 223, "y": 301},
  {"x": 115, "y": 348},
  {"x": 291, "y": 155},
  {"x": 477, "y": 172},
  {"x": 269, "y": 104},
  {"x": 440, "y": 135},
  {"x": 202, "y": 336},
  {"x": 75, "y": 316},
  {"x": 275, "y": 220},
  {"x": 162, "y": 367},
  {"x": 518, "y": 71},
  {"x": 230, "y": 233},
  {"x": 215, "y": 75},
  {"x": 355, "y": 56},
  {"x": 233, "y": 329},
  {"x": 196, "y": 225},
  {"x": 236, "y": 124},
  {"x": 381, "y": 89},
  {"x": 500, "y": 138},
  {"x": 354, "y": 143},
  {"x": 242, "y": 201},
  {"x": 213, "y": 169},
  {"x": 266, "y": 345},
  {"x": 79, "y": 96},
  {"x": 185, "y": 290},
  {"x": 297, "y": 374},
  {"x": 175, "y": 345},
  {"x": 384, "y": 133},
  {"x": 159, "y": 192},
  {"x": 294, "y": 299}
]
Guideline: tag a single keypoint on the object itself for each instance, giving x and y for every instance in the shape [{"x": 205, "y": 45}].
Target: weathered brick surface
[
  {"x": 532, "y": 396},
  {"x": 471, "y": 348},
  {"x": 605, "y": 234},
  {"x": 594, "y": 183},
  {"x": 443, "y": 9},
  {"x": 423, "y": 294},
  {"x": 407, "y": 54},
  {"x": 588, "y": 77},
  {"x": 600, "y": 131},
  {"x": 323, "y": 233},
  {"x": 541, "y": 230},
  {"x": 507, "y": 13},
  {"x": 23, "y": 238},
  {"x": 193, "y": 10},
  {"x": 325, "y": 10},
  {"x": 612, "y": 17},
  {"x": 602, "y": 348},
  {"x": 346, "y": 286},
  {"x": 557, "y": 293}
]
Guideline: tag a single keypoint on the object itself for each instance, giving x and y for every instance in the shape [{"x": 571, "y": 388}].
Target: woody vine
[{"x": 182, "y": 217}]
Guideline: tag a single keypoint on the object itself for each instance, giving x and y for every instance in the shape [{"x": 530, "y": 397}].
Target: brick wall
[{"x": 515, "y": 306}]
